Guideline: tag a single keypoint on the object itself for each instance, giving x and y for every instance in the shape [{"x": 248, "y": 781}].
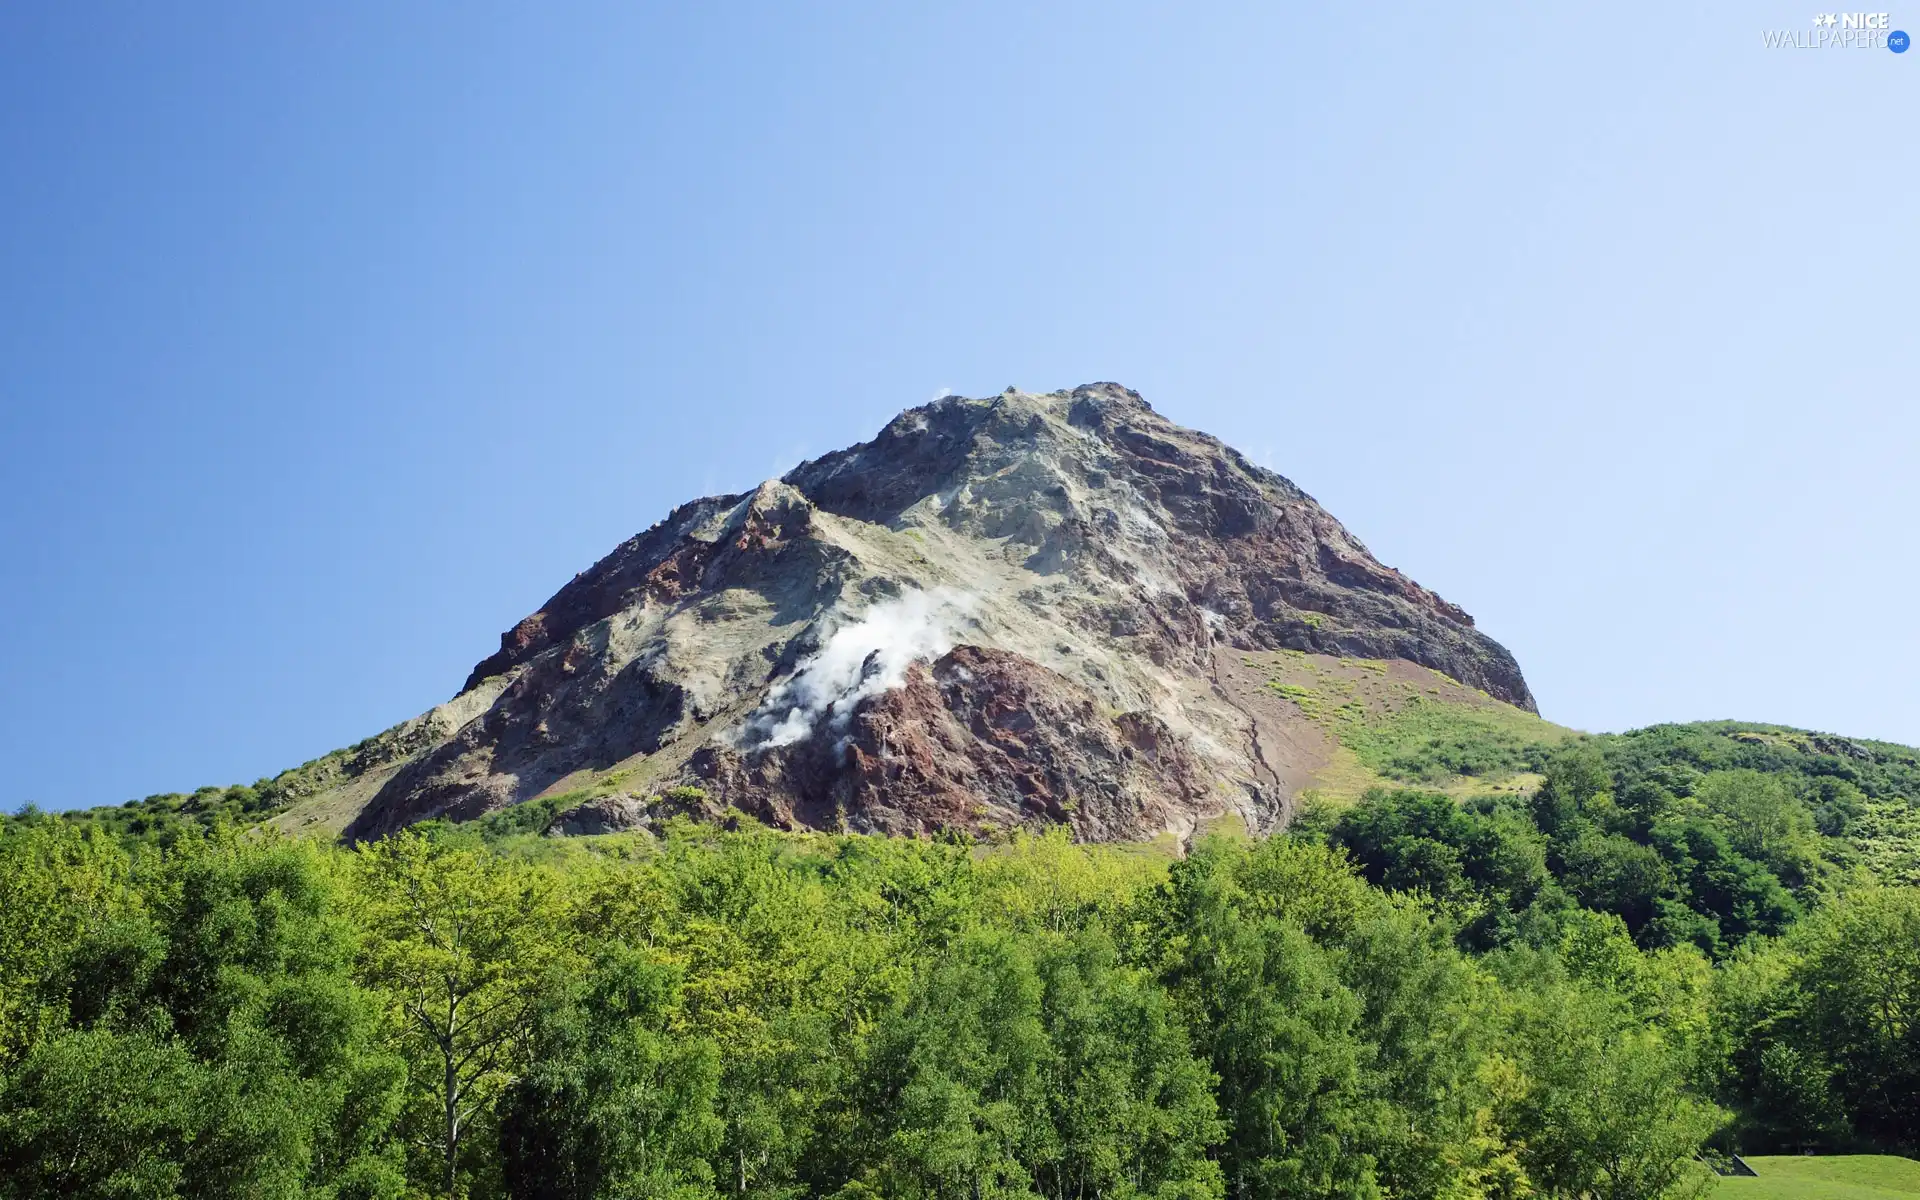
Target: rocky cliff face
[{"x": 998, "y": 612}]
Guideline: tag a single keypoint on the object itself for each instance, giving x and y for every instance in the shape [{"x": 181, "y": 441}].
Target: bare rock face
[
  {"x": 997, "y": 613},
  {"x": 603, "y": 814},
  {"x": 981, "y": 739}
]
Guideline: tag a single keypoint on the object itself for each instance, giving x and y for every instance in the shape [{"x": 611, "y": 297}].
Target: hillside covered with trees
[{"x": 1683, "y": 942}]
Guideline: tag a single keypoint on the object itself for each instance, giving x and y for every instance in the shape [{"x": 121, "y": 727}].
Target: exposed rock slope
[{"x": 998, "y": 612}]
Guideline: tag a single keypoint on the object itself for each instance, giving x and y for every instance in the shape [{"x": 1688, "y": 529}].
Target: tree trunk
[{"x": 452, "y": 1094}]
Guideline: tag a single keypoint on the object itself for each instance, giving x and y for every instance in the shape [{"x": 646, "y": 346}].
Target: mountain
[{"x": 1002, "y": 612}]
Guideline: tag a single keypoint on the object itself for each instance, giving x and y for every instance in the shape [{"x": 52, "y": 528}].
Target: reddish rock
[
  {"x": 979, "y": 740},
  {"x": 1094, "y": 562}
]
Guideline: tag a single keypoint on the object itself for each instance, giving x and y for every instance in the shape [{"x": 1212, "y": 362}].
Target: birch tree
[{"x": 457, "y": 940}]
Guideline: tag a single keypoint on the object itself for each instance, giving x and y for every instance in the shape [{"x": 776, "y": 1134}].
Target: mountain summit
[{"x": 998, "y": 613}]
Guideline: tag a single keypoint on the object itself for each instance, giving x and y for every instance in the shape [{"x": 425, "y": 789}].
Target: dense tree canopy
[{"x": 1575, "y": 992}]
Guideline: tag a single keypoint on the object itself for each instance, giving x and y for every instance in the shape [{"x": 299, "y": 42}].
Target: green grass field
[
  {"x": 1825, "y": 1177},
  {"x": 1396, "y": 724}
]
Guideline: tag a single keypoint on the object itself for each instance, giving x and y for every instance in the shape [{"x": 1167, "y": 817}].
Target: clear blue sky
[{"x": 334, "y": 338}]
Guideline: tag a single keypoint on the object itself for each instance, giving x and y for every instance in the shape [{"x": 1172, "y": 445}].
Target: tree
[
  {"x": 1604, "y": 1111},
  {"x": 58, "y": 884},
  {"x": 1484, "y": 863},
  {"x": 100, "y": 1113},
  {"x": 1614, "y": 874},
  {"x": 96, "y": 1114},
  {"x": 1430, "y": 1022},
  {"x": 457, "y": 941},
  {"x": 1409, "y": 841},
  {"x": 1577, "y": 785},
  {"x": 787, "y": 957},
  {"x": 220, "y": 1037},
  {"x": 1836, "y": 805},
  {"x": 1858, "y": 971},
  {"x": 1741, "y": 896},
  {"x": 1763, "y": 818},
  {"x": 957, "y": 1077},
  {"x": 1131, "y": 1107},
  {"x": 1279, "y": 1029},
  {"x": 613, "y": 1103}
]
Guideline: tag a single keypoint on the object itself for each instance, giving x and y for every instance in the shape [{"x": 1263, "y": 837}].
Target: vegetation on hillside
[
  {"x": 1682, "y": 941},
  {"x": 488, "y": 1012},
  {"x": 164, "y": 818}
]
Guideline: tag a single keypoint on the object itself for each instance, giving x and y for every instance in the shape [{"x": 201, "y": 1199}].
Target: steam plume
[{"x": 863, "y": 659}]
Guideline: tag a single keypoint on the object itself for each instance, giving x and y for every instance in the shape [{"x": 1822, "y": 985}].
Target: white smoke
[{"x": 863, "y": 659}]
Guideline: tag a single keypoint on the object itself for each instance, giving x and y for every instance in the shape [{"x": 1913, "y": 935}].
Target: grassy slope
[
  {"x": 1825, "y": 1177},
  {"x": 1397, "y": 724},
  {"x": 353, "y": 772}
]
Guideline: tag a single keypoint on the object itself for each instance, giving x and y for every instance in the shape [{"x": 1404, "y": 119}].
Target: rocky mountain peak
[{"x": 997, "y": 612}]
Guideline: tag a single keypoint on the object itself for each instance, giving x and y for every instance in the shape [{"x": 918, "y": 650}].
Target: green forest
[{"x": 1684, "y": 943}]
